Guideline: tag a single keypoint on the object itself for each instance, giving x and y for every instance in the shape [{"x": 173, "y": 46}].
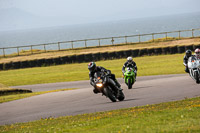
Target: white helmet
[
  {"x": 197, "y": 52},
  {"x": 129, "y": 59}
]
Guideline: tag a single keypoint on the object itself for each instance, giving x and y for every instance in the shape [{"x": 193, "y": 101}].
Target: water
[{"x": 100, "y": 30}]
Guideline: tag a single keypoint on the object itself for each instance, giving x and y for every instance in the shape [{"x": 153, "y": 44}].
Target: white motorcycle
[{"x": 194, "y": 68}]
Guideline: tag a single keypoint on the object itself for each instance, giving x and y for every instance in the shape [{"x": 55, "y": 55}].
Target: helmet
[
  {"x": 129, "y": 59},
  {"x": 188, "y": 53},
  {"x": 197, "y": 52},
  {"x": 91, "y": 66}
]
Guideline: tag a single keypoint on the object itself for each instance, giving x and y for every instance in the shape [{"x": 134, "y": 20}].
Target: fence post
[
  {"x": 99, "y": 42},
  {"x": 85, "y": 43},
  {"x": 192, "y": 32},
  {"x": 139, "y": 38},
  {"x": 31, "y": 49},
  {"x": 45, "y": 48},
  {"x": 166, "y": 35},
  {"x": 179, "y": 34},
  {"x": 153, "y": 37},
  {"x": 4, "y": 55},
  {"x": 58, "y": 46},
  {"x": 126, "y": 39},
  {"x": 112, "y": 41},
  {"x": 18, "y": 51},
  {"x": 72, "y": 45}
]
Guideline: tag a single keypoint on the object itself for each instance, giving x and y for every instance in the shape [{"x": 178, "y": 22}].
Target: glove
[
  {"x": 108, "y": 72},
  {"x": 123, "y": 72}
]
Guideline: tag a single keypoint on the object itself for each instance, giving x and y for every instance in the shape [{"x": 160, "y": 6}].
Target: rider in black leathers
[
  {"x": 112, "y": 81},
  {"x": 188, "y": 54},
  {"x": 130, "y": 63}
]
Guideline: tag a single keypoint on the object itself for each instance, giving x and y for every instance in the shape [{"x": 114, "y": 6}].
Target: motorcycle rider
[
  {"x": 197, "y": 53},
  {"x": 130, "y": 63},
  {"x": 188, "y": 54},
  {"x": 112, "y": 80}
]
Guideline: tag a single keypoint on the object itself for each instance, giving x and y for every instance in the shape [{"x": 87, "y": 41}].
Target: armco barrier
[
  {"x": 143, "y": 52},
  {"x": 112, "y": 55},
  {"x": 80, "y": 58},
  {"x": 189, "y": 47},
  {"x": 7, "y": 66},
  {"x": 64, "y": 59},
  {"x": 24, "y": 64},
  {"x": 88, "y": 57},
  {"x": 40, "y": 62},
  {"x": 135, "y": 53},
  {"x": 16, "y": 65},
  {"x": 173, "y": 49},
  {"x": 1, "y": 66},
  {"x": 181, "y": 49},
  {"x": 196, "y": 46},
  {"x": 120, "y": 54},
  {"x": 103, "y": 55},
  {"x": 33, "y": 63},
  {"x": 128, "y": 53},
  {"x": 96, "y": 57},
  {"x": 150, "y": 51},
  {"x": 158, "y": 51}
]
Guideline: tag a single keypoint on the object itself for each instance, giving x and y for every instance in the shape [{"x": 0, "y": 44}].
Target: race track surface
[{"x": 147, "y": 90}]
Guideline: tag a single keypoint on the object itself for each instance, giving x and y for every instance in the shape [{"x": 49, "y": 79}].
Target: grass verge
[
  {"x": 178, "y": 116},
  {"x": 16, "y": 96},
  {"x": 148, "y": 65}
]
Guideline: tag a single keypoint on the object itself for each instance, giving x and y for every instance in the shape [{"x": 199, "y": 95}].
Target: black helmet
[
  {"x": 188, "y": 53},
  {"x": 91, "y": 66}
]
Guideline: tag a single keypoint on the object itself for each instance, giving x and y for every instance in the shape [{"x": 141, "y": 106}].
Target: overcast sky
[{"x": 88, "y": 11}]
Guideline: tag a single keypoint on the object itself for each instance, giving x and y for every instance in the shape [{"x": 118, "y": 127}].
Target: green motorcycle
[{"x": 129, "y": 77}]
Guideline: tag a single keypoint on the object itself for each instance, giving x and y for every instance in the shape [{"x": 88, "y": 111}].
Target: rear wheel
[
  {"x": 196, "y": 74},
  {"x": 110, "y": 95},
  {"x": 129, "y": 84}
]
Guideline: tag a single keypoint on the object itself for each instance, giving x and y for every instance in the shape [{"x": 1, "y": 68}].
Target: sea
[{"x": 127, "y": 27}]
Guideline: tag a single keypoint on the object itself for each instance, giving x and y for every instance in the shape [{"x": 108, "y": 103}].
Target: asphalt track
[{"x": 147, "y": 90}]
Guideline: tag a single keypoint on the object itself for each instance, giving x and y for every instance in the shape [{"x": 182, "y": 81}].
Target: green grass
[
  {"x": 17, "y": 96},
  {"x": 178, "y": 116},
  {"x": 148, "y": 65}
]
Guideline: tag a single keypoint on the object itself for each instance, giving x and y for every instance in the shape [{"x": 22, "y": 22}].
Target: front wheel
[
  {"x": 121, "y": 97},
  {"x": 196, "y": 75},
  {"x": 110, "y": 95},
  {"x": 129, "y": 84}
]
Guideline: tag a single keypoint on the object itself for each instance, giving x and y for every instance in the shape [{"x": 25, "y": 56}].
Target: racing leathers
[
  {"x": 185, "y": 63},
  {"x": 112, "y": 81},
  {"x": 131, "y": 64}
]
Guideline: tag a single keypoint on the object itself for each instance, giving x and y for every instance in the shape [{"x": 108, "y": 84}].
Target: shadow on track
[{"x": 141, "y": 87}]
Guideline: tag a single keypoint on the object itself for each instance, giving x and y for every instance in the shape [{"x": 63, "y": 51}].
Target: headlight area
[{"x": 99, "y": 84}]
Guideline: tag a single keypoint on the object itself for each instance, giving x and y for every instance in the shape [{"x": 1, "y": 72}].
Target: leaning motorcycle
[
  {"x": 129, "y": 77},
  {"x": 194, "y": 68},
  {"x": 101, "y": 79}
]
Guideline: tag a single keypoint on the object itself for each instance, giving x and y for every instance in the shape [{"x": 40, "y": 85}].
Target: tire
[
  {"x": 110, "y": 95},
  {"x": 196, "y": 74},
  {"x": 121, "y": 98},
  {"x": 129, "y": 84}
]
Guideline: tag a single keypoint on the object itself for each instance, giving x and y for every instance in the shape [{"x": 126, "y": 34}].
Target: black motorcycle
[{"x": 101, "y": 82}]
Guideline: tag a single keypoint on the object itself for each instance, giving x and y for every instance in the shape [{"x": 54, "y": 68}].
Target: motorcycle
[
  {"x": 129, "y": 77},
  {"x": 100, "y": 79},
  {"x": 194, "y": 68}
]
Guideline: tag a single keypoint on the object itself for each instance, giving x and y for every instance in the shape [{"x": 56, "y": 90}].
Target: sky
[{"x": 18, "y": 14}]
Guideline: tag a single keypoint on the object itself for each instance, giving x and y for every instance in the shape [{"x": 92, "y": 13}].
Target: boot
[{"x": 117, "y": 83}]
